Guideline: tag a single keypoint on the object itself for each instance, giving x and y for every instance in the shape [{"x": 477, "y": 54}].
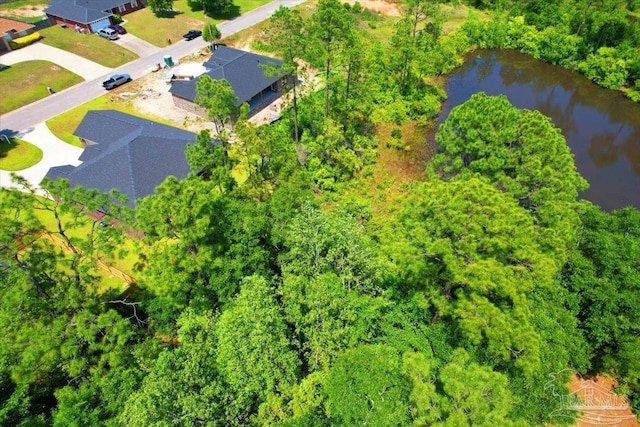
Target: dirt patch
[
  {"x": 598, "y": 404},
  {"x": 383, "y": 7},
  {"x": 150, "y": 95},
  {"x": 27, "y": 11}
]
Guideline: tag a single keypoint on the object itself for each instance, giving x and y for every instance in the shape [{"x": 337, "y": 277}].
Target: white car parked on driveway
[{"x": 108, "y": 34}]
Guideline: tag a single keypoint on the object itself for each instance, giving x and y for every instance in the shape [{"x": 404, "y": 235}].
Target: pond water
[{"x": 601, "y": 126}]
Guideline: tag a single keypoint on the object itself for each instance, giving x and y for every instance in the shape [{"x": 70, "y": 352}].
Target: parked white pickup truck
[{"x": 116, "y": 80}]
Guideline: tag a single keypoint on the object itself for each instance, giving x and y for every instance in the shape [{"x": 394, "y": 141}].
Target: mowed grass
[
  {"x": 66, "y": 123},
  {"x": 27, "y": 82},
  {"x": 89, "y": 46},
  {"x": 18, "y": 155},
  {"x": 157, "y": 30}
]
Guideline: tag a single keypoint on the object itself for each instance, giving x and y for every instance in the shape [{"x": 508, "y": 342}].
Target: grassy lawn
[
  {"x": 19, "y": 155},
  {"x": 90, "y": 46},
  {"x": 63, "y": 125},
  {"x": 156, "y": 30},
  {"x": 27, "y": 82}
]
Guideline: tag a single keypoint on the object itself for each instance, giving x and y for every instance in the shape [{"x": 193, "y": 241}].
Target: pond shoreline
[{"x": 601, "y": 126}]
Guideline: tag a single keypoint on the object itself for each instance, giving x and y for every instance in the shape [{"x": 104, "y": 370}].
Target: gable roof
[
  {"x": 83, "y": 11},
  {"x": 128, "y": 153},
  {"x": 240, "y": 68},
  {"x": 7, "y": 25}
]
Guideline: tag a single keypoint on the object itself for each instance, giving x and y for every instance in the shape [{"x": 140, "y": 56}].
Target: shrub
[
  {"x": 117, "y": 19},
  {"x": 605, "y": 68},
  {"x": 24, "y": 41}
]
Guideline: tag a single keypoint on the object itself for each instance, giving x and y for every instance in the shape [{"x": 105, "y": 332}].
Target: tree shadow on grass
[
  {"x": 195, "y": 5},
  {"x": 6, "y": 146},
  {"x": 233, "y": 12},
  {"x": 168, "y": 14}
]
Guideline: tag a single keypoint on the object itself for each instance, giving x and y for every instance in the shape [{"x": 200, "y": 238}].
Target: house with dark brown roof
[
  {"x": 90, "y": 15},
  {"x": 11, "y": 29},
  {"x": 127, "y": 153},
  {"x": 245, "y": 73}
]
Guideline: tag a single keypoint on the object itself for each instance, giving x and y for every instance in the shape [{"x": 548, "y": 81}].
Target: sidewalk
[{"x": 86, "y": 69}]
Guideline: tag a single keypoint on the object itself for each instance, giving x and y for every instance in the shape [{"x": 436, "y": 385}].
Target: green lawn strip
[
  {"x": 158, "y": 30},
  {"x": 18, "y": 155},
  {"x": 66, "y": 123},
  {"x": 27, "y": 82},
  {"x": 89, "y": 46}
]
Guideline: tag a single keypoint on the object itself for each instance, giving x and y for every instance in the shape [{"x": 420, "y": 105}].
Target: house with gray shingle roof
[
  {"x": 90, "y": 15},
  {"x": 126, "y": 153},
  {"x": 245, "y": 73}
]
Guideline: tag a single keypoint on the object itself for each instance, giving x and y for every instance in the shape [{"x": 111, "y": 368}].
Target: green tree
[
  {"x": 217, "y": 8},
  {"x": 254, "y": 352},
  {"x": 471, "y": 248},
  {"x": 320, "y": 243},
  {"x": 519, "y": 151},
  {"x": 327, "y": 318},
  {"x": 160, "y": 7},
  {"x": 331, "y": 26},
  {"x": 60, "y": 335},
  {"x": 475, "y": 395},
  {"x": 604, "y": 275},
  {"x": 287, "y": 37},
  {"x": 365, "y": 387},
  {"x": 211, "y": 34},
  {"x": 183, "y": 385},
  {"x": 220, "y": 102},
  {"x": 416, "y": 33},
  {"x": 207, "y": 159}
]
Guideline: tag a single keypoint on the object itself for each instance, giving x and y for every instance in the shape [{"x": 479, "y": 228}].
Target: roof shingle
[
  {"x": 130, "y": 154},
  {"x": 243, "y": 70}
]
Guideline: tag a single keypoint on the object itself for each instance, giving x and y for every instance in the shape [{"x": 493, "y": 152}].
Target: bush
[
  {"x": 24, "y": 41},
  {"x": 117, "y": 19},
  {"x": 605, "y": 68}
]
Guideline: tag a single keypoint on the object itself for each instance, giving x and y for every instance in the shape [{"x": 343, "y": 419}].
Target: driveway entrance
[{"x": 137, "y": 45}]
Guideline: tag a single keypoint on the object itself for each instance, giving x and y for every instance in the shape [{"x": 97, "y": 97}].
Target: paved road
[{"x": 30, "y": 115}]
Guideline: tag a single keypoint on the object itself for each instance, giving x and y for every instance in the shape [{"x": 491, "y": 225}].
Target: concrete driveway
[
  {"x": 86, "y": 69},
  {"x": 137, "y": 45},
  {"x": 55, "y": 152}
]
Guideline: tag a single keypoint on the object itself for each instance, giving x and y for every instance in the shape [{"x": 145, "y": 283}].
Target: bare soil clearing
[
  {"x": 150, "y": 95},
  {"x": 384, "y": 7},
  {"x": 600, "y": 405},
  {"x": 29, "y": 11}
]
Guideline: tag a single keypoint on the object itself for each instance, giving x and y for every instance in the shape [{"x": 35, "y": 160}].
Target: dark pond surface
[{"x": 601, "y": 126}]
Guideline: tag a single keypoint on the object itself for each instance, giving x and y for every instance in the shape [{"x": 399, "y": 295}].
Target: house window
[
  {"x": 134, "y": 4},
  {"x": 122, "y": 8}
]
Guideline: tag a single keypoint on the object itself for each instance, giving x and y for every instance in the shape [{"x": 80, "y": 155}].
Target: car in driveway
[
  {"x": 108, "y": 33},
  {"x": 118, "y": 29},
  {"x": 115, "y": 81},
  {"x": 192, "y": 34}
]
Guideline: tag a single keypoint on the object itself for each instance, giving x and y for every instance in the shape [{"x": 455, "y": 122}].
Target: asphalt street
[{"x": 27, "y": 117}]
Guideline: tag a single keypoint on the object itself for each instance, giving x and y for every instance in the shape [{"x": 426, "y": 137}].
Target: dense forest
[{"x": 306, "y": 274}]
